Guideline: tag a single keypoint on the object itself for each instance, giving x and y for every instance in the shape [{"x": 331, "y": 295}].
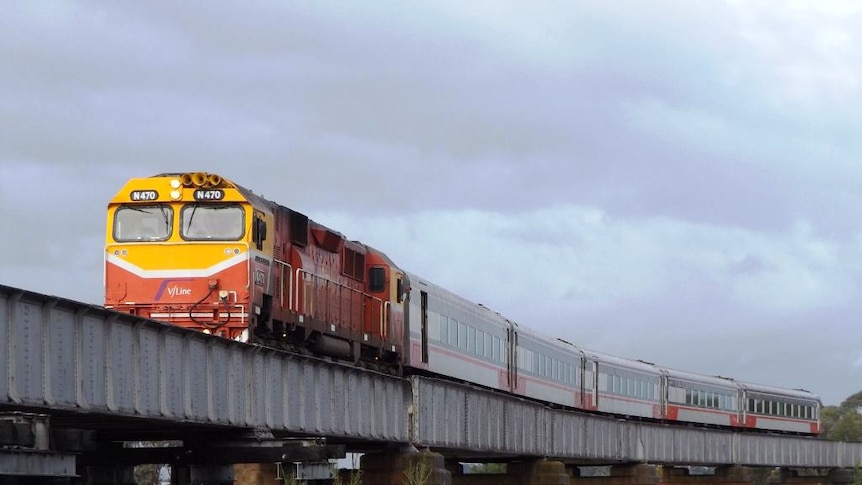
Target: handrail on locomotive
[{"x": 310, "y": 298}]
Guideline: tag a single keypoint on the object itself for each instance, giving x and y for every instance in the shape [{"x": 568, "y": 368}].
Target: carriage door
[
  {"x": 512, "y": 357},
  {"x": 590, "y": 383},
  {"x": 424, "y": 328},
  {"x": 663, "y": 393}
]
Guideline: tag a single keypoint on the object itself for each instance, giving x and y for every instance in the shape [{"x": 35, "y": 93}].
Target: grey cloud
[{"x": 671, "y": 113}]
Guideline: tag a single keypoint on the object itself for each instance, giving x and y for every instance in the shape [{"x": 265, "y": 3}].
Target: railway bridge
[{"x": 78, "y": 383}]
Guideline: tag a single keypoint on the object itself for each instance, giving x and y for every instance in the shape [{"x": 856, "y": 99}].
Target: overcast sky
[{"x": 674, "y": 181}]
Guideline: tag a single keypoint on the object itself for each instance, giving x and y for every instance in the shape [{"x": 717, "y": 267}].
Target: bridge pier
[
  {"x": 728, "y": 475},
  {"x": 255, "y": 474},
  {"x": 787, "y": 476},
  {"x": 639, "y": 474},
  {"x": 393, "y": 468}
]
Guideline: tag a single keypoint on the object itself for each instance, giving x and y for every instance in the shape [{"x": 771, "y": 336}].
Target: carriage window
[
  {"x": 143, "y": 223},
  {"x": 444, "y": 329},
  {"x": 212, "y": 222}
]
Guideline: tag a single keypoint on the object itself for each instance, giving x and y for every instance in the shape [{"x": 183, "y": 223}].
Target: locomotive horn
[
  {"x": 199, "y": 179},
  {"x": 214, "y": 180},
  {"x": 186, "y": 179}
]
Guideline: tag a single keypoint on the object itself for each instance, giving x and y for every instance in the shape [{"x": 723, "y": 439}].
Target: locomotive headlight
[
  {"x": 176, "y": 194},
  {"x": 175, "y": 183}
]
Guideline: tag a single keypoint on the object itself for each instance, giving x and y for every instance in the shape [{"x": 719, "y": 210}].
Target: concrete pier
[
  {"x": 835, "y": 476},
  {"x": 639, "y": 474},
  {"x": 404, "y": 467},
  {"x": 731, "y": 475},
  {"x": 255, "y": 474}
]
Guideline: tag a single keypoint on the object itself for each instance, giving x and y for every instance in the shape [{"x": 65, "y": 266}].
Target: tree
[
  {"x": 848, "y": 427},
  {"x": 843, "y": 422}
]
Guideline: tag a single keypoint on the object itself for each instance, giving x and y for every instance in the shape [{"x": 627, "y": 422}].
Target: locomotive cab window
[
  {"x": 258, "y": 232},
  {"x": 143, "y": 223},
  {"x": 212, "y": 222},
  {"x": 376, "y": 279}
]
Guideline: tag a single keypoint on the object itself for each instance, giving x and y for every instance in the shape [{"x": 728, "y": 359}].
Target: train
[{"x": 197, "y": 250}]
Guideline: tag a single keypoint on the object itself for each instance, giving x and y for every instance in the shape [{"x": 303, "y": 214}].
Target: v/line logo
[{"x": 173, "y": 288}]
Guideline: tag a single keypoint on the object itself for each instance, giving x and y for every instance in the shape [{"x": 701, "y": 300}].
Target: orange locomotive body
[{"x": 199, "y": 251}]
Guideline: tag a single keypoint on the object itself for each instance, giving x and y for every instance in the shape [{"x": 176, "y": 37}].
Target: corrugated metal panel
[
  {"x": 527, "y": 428},
  {"x": 485, "y": 423},
  {"x": 606, "y": 439},
  {"x": 458, "y": 417},
  {"x": 770, "y": 450},
  {"x": 62, "y": 355}
]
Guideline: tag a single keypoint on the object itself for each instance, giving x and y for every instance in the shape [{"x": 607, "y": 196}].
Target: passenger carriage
[
  {"x": 777, "y": 409},
  {"x": 621, "y": 386},
  {"x": 696, "y": 398}
]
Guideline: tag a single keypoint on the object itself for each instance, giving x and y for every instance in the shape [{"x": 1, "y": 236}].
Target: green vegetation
[
  {"x": 843, "y": 422},
  {"x": 287, "y": 475},
  {"x": 419, "y": 471}
]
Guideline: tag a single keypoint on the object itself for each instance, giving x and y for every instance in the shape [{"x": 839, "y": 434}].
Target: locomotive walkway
[{"x": 85, "y": 368}]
